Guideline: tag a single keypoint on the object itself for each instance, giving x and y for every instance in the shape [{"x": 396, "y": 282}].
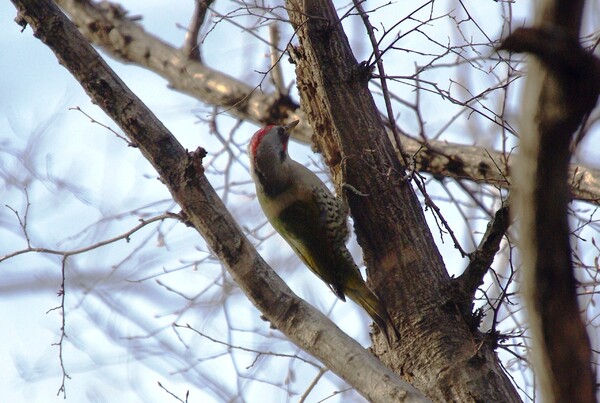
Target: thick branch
[
  {"x": 107, "y": 25},
  {"x": 126, "y": 40},
  {"x": 183, "y": 175},
  {"x": 481, "y": 260},
  {"x": 481, "y": 165}
]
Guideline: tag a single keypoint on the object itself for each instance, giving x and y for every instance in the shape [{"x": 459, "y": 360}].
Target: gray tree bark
[
  {"x": 439, "y": 353},
  {"x": 183, "y": 174}
]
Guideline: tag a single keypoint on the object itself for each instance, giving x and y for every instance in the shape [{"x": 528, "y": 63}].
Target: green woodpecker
[{"x": 311, "y": 220}]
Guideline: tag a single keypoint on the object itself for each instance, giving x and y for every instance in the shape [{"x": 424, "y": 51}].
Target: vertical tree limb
[
  {"x": 562, "y": 88},
  {"x": 439, "y": 353},
  {"x": 191, "y": 47}
]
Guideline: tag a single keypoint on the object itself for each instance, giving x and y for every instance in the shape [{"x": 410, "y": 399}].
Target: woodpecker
[{"x": 310, "y": 219}]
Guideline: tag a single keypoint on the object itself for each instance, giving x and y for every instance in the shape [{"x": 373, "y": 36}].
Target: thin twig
[
  {"x": 249, "y": 350},
  {"x": 312, "y": 385},
  {"x": 190, "y": 45},
  {"x": 66, "y": 253},
  {"x": 77, "y": 108}
]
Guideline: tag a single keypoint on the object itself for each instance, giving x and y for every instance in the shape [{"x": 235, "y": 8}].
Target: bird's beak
[{"x": 291, "y": 125}]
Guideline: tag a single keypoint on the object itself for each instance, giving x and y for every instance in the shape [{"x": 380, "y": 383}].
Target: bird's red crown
[{"x": 257, "y": 137}]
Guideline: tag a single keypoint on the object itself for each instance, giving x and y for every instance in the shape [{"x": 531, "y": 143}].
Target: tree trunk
[{"x": 438, "y": 353}]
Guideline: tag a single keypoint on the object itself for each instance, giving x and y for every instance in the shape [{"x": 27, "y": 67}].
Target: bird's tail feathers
[{"x": 367, "y": 299}]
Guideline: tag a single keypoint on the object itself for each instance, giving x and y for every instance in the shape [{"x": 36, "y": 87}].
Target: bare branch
[
  {"x": 66, "y": 253},
  {"x": 173, "y": 394},
  {"x": 249, "y": 350},
  {"x": 483, "y": 257},
  {"x": 63, "y": 328},
  {"x": 94, "y": 121},
  {"x": 445, "y": 227},
  {"x": 183, "y": 174},
  {"x": 191, "y": 47},
  {"x": 126, "y": 40},
  {"x": 22, "y": 220},
  {"x": 216, "y": 88},
  {"x": 312, "y": 385}
]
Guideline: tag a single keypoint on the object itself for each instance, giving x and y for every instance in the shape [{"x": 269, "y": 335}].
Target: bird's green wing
[{"x": 304, "y": 226}]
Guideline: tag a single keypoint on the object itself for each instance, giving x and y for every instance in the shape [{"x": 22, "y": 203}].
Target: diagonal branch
[
  {"x": 107, "y": 25},
  {"x": 483, "y": 257},
  {"x": 183, "y": 175},
  {"x": 130, "y": 43}
]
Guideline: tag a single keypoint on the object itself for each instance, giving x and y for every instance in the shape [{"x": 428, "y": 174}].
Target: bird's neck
[{"x": 272, "y": 174}]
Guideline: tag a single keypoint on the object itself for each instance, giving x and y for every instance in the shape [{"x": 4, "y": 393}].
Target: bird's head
[
  {"x": 272, "y": 141},
  {"x": 268, "y": 155}
]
